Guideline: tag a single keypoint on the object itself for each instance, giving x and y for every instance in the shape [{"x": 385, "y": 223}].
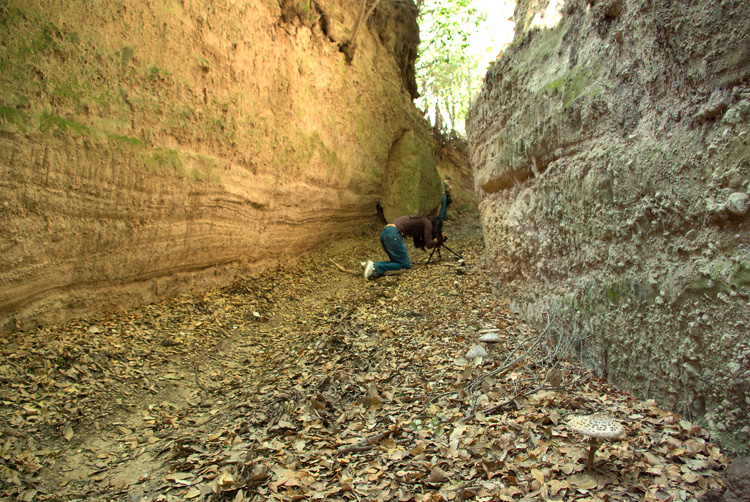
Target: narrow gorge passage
[
  {"x": 312, "y": 383},
  {"x": 185, "y": 186}
]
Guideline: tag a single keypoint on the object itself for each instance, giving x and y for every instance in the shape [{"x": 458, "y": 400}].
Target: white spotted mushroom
[
  {"x": 596, "y": 427},
  {"x": 489, "y": 338},
  {"x": 475, "y": 352}
]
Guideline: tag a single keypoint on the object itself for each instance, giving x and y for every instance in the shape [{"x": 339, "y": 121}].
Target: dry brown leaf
[
  {"x": 437, "y": 475},
  {"x": 583, "y": 482},
  {"x": 28, "y": 495},
  {"x": 298, "y": 410},
  {"x": 192, "y": 493},
  {"x": 537, "y": 475},
  {"x": 180, "y": 478}
]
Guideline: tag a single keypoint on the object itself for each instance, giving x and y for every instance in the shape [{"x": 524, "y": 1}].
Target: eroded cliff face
[
  {"x": 152, "y": 149},
  {"x": 611, "y": 157},
  {"x": 452, "y": 159}
]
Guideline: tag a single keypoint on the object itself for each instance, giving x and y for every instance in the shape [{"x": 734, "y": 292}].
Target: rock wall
[
  {"x": 452, "y": 159},
  {"x": 611, "y": 157},
  {"x": 149, "y": 149}
]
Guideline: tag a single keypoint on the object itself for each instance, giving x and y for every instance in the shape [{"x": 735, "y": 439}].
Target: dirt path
[{"x": 310, "y": 383}]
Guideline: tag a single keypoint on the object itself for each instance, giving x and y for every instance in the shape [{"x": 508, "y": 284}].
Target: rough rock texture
[
  {"x": 452, "y": 158},
  {"x": 737, "y": 481},
  {"x": 151, "y": 149},
  {"x": 610, "y": 147}
]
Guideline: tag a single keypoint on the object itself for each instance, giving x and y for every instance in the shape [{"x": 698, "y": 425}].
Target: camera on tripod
[{"x": 441, "y": 244}]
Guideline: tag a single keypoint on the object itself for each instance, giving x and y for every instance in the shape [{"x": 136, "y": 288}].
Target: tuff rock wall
[
  {"x": 452, "y": 160},
  {"x": 611, "y": 161},
  {"x": 149, "y": 149}
]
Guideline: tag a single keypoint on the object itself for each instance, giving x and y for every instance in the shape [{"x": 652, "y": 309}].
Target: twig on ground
[
  {"x": 432, "y": 392},
  {"x": 500, "y": 406},
  {"x": 477, "y": 381},
  {"x": 365, "y": 444},
  {"x": 506, "y": 366},
  {"x": 396, "y": 272},
  {"x": 197, "y": 380},
  {"x": 354, "y": 272},
  {"x": 348, "y": 271}
]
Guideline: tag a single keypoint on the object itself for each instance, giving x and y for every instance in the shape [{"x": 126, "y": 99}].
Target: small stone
[
  {"x": 737, "y": 203},
  {"x": 732, "y": 117},
  {"x": 733, "y": 178},
  {"x": 693, "y": 329}
]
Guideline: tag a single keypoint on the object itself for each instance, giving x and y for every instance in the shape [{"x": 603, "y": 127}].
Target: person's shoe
[
  {"x": 363, "y": 265},
  {"x": 370, "y": 272}
]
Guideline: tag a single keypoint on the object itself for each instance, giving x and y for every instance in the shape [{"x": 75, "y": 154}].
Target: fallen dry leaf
[{"x": 338, "y": 389}]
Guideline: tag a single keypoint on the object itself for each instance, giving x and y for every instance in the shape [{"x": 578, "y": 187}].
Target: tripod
[{"x": 440, "y": 257}]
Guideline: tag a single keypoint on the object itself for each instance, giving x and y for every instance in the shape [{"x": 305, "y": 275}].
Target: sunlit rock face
[
  {"x": 611, "y": 161},
  {"x": 154, "y": 149}
]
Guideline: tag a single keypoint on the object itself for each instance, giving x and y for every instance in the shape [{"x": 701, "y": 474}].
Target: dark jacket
[{"x": 417, "y": 227}]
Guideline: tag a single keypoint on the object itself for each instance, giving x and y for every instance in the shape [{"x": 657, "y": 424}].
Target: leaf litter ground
[{"x": 310, "y": 383}]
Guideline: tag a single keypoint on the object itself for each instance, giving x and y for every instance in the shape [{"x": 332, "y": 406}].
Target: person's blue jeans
[
  {"x": 443, "y": 207},
  {"x": 393, "y": 244}
]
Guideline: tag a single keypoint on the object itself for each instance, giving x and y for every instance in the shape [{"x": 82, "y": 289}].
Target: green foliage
[
  {"x": 126, "y": 54},
  {"x": 304, "y": 11},
  {"x": 155, "y": 73},
  {"x": 203, "y": 63},
  {"x": 68, "y": 90},
  {"x": 165, "y": 158},
  {"x": 47, "y": 120},
  {"x": 446, "y": 74},
  {"x": 126, "y": 139},
  {"x": 572, "y": 84},
  {"x": 46, "y": 38},
  {"x": 10, "y": 115},
  {"x": 614, "y": 295},
  {"x": 9, "y": 16}
]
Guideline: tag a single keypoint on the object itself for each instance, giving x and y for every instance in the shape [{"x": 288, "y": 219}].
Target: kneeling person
[{"x": 425, "y": 232}]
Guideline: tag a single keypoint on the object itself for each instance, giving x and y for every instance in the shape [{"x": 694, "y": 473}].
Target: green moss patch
[
  {"x": 573, "y": 84},
  {"x": 11, "y": 115},
  {"x": 47, "y": 121},
  {"x": 126, "y": 139}
]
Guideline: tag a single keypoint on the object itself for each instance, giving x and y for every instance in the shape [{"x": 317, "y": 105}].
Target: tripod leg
[
  {"x": 449, "y": 249},
  {"x": 430, "y": 258}
]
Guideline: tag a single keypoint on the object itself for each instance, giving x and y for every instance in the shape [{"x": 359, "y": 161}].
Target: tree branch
[{"x": 350, "y": 47}]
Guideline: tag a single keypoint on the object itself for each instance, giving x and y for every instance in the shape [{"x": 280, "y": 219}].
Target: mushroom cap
[
  {"x": 597, "y": 426},
  {"x": 489, "y": 337},
  {"x": 476, "y": 351}
]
